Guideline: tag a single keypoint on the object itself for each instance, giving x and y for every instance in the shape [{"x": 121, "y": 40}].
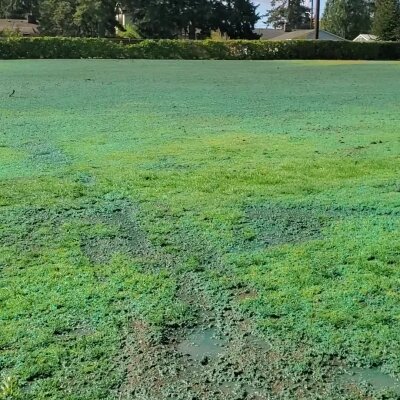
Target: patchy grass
[{"x": 142, "y": 201}]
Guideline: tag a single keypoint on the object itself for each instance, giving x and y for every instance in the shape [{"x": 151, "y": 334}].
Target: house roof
[
  {"x": 365, "y": 37},
  {"x": 307, "y": 34},
  {"x": 267, "y": 33},
  {"x": 19, "y": 25},
  {"x": 299, "y": 34}
]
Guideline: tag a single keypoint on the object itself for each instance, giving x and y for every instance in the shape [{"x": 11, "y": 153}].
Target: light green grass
[{"x": 191, "y": 148}]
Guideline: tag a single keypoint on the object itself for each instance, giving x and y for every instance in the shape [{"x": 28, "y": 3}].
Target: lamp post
[{"x": 317, "y": 12}]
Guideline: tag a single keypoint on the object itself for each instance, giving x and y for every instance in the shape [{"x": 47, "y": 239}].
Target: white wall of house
[{"x": 365, "y": 37}]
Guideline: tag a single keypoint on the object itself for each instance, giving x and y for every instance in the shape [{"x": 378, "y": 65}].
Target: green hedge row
[{"x": 49, "y": 47}]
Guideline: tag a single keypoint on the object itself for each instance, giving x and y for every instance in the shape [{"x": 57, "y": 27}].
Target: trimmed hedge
[{"x": 67, "y": 48}]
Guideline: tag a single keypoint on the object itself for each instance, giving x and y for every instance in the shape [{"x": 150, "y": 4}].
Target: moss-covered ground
[{"x": 199, "y": 230}]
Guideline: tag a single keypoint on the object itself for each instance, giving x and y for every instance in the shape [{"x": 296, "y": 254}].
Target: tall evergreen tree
[
  {"x": 347, "y": 18},
  {"x": 195, "y": 16},
  {"x": 387, "y": 19},
  {"x": 290, "y": 13},
  {"x": 158, "y": 19},
  {"x": 238, "y": 19}
]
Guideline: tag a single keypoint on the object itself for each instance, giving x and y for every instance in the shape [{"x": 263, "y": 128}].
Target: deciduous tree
[
  {"x": 56, "y": 17},
  {"x": 347, "y": 18},
  {"x": 18, "y": 8},
  {"x": 239, "y": 19},
  {"x": 155, "y": 18},
  {"x": 89, "y": 18},
  {"x": 387, "y": 19}
]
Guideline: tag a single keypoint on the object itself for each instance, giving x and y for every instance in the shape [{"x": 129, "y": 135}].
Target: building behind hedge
[
  {"x": 298, "y": 34},
  {"x": 19, "y": 26}
]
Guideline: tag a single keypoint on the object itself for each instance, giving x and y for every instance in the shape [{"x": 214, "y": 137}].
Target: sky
[{"x": 265, "y": 5}]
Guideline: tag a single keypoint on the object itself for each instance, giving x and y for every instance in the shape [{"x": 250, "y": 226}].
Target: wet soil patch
[
  {"x": 121, "y": 235},
  {"x": 214, "y": 359},
  {"x": 272, "y": 224},
  {"x": 240, "y": 391},
  {"x": 222, "y": 357},
  {"x": 103, "y": 227},
  {"x": 202, "y": 345},
  {"x": 278, "y": 224},
  {"x": 221, "y": 354},
  {"x": 373, "y": 378}
]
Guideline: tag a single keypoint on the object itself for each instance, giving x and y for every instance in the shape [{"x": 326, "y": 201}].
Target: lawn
[{"x": 199, "y": 230}]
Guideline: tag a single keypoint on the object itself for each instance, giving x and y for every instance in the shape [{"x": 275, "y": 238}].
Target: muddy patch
[
  {"x": 103, "y": 227},
  {"x": 221, "y": 354},
  {"x": 242, "y": 295},
  {"x": 271, "y": 225},
  {"x": 373, "y": 378},
  {"x": 202, "y": 345},
  {"x": 279, "y": 224},
  {"x": 119, "y": 233},
  {"x": 240, "y": 391},
  {"x": 222, "y": 358}
]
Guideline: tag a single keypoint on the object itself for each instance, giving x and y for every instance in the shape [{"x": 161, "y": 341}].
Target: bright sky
[{"x": 265, "y": 5}]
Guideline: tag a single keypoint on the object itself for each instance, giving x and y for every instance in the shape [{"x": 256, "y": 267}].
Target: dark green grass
[{"x": 118, "y": 176}]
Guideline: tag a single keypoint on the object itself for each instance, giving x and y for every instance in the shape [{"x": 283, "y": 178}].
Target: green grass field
[{"x": 199, "y": 230}]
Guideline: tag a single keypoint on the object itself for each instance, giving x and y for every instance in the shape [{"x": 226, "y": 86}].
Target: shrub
[
  {"x": 8, "y": 388},
  {"x": 130, "y": 32},
  {"x": 9, "y": 33},
  {"x": 55, "y": 47}
]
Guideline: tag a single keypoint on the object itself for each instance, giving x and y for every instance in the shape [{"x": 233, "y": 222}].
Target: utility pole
[
  {"x": 317, "y": 14},
  {"x": 311, "y": 14}
]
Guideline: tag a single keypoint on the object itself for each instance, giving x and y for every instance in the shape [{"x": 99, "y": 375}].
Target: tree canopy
[
  {"x": 151, "y": 18},
  {"x": 18, "y": 8},
  {"x": 347, "y": 18},
  {"x": 387, "y": 19},
  {"x": 290, "y": 13},
  {"x": 196, "y": 18}
]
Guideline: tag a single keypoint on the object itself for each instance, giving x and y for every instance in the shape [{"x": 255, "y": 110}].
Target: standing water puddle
[
  {"x": 373, "y": 376},
  {"x": 232, "y": 388},
  {"x": 202, "y": 344}
]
